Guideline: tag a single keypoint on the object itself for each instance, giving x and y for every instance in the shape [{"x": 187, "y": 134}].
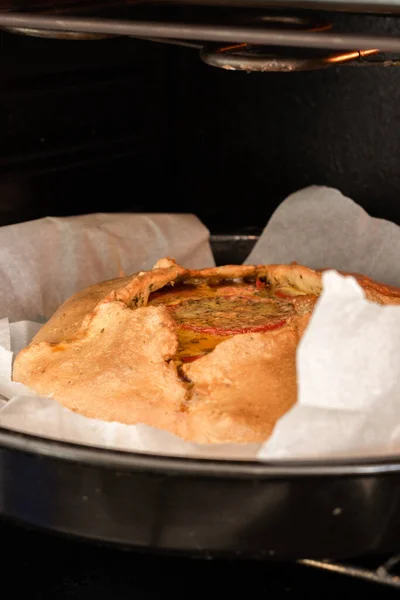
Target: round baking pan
[{"x": 275, "y": 510}]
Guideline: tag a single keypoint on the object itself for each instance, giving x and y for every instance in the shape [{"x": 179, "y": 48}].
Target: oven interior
[
  {"x": 119, "y": 123},
  {"x": 220, "y": 108}
]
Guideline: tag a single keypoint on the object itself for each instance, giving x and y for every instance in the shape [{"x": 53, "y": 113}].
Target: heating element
[{"x": 234, "y": 39}]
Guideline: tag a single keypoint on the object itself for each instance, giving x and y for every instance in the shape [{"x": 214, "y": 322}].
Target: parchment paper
[
  {"x": 320, "y": 228},
  {"x": 348, "y": 362},
  {"x": 43, "y": 262}
]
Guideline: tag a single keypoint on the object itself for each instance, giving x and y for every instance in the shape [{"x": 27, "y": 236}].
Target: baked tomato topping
[
  {"x": 207, "y": 314},
  {"x": 192, "y": 358},
  {"x": 181, "y": 292},
  {"x": 225, "y": 316},
  {"x": 280, "y": 294}
]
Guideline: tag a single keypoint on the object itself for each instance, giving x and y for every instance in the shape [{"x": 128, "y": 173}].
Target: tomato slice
[
  {"x": 233, "y": 315},
  {"x": 276, "y": 324},
  {"x": 260, "y": 284},
  {"x": 189, "y": 359},
  {"x": 280, "y": 294}
]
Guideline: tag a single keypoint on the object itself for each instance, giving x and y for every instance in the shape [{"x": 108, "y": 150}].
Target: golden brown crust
[
  {"x": 107, "y": 355},
  {"x": 244, "y": 386},
  {"x": 68, "y": 318},
  {"x": 120, "y": 370}
]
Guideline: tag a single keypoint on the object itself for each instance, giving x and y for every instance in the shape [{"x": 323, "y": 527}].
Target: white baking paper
[
  {"x": 348, "y": 361},
  {"x": 44, "y": 262},
  {"x": 348, "y": 365},
  {"x": 320, "y": 228}
]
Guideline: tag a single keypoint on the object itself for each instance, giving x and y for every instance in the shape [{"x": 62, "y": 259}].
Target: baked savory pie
[{"x": 209, "y": 355}]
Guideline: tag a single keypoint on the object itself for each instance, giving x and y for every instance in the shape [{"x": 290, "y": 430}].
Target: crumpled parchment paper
[{"x": 348, "y": 362}]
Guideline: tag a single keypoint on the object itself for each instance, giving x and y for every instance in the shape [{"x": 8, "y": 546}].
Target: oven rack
[
  {"x": 383, "y": 572},
  {"x": 236, "y": 39}
]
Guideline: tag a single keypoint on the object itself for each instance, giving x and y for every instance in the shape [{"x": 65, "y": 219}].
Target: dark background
[
  {"x": 45, "y": 567},
  {"x": 121, "y": 124}
]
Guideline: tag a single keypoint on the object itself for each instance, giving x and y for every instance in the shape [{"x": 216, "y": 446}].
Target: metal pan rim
[{"x": 195, "y": 467}]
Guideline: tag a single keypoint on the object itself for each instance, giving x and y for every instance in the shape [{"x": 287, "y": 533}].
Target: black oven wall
[{"x": 121, "y": 125}]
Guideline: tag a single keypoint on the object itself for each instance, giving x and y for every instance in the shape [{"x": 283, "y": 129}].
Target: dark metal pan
[
  {"x": 276, "y": 510},
  {"x": 201, "y": 507}
]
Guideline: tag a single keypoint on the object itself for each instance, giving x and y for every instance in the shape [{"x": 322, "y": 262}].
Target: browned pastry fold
[{"x": 109, "y": 355}]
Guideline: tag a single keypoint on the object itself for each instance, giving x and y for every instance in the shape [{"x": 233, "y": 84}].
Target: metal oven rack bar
[
  {"x": 273, "y": 41},
  {"x": 382, "y": 574},
  {"x": 208, "y": 32}
]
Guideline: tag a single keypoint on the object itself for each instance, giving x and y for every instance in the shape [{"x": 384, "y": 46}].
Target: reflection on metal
[
  {"x": 183, "y": 43},
  {"x": 242, "y": 57},
  {"x": 381, "y": 60},
  {"x": 381, "y": 575},
  {"x": 253, "y": 43},
  {"x": 269, "y": 21},
  {"x": 55, "y": 12},
  {"x": 206, "y": 32},
  {"x": 57, "y": 35},
  {"x": 291, "y": 22}
]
